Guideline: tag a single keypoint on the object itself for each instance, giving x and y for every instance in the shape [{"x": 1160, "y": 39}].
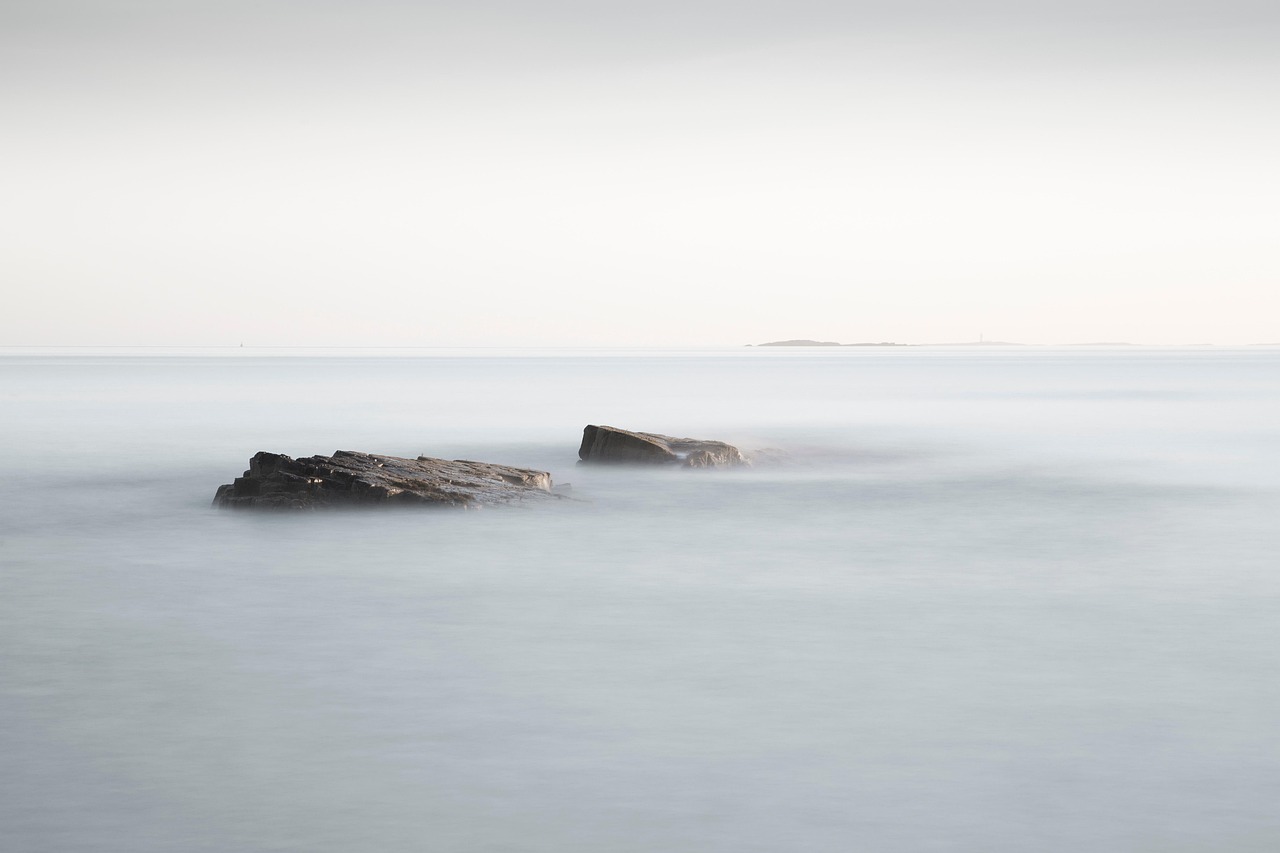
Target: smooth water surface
[{"x": 995, "y": 600}]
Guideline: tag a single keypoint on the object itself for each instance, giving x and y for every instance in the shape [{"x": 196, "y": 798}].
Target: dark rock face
[
  {"x": 610, "y": 444},
  {"x": 606, "y": 444},
  {"x": 348, "y": 478}
]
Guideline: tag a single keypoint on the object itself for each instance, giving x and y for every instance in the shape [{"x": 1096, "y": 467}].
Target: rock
[
  {"x": 609, "y": 444},
  {"x": 349, "y": 478},
  {"x": 606, "y": 444}
]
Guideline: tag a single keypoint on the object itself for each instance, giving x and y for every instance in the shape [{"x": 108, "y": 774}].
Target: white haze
[
  {"x": 998, "y": 601},
  {"x": 404, "y": 174}
]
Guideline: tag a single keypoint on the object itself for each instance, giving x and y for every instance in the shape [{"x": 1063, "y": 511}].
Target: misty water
[{"x": 993, "y": 600}]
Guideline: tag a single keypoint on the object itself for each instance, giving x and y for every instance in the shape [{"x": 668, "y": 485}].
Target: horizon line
[{"x": 767, "y": 345}]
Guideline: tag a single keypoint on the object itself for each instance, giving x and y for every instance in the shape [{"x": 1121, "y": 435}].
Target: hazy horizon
[
  {"x": 777, "y": 342},
  {"x": 443, "y": 174}
]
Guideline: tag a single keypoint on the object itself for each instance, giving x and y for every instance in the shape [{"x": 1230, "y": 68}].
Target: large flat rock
[
  {"x": 350, "y": 478},
  {"x": 610, "y": 445}
]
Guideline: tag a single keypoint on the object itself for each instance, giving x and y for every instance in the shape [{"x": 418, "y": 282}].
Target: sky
[{"x": 571, "y": 173}]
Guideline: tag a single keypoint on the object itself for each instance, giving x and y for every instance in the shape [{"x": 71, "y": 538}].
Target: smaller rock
[{"x": 610, "y": 445}]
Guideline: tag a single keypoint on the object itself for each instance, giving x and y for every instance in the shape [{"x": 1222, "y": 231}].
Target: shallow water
[{"x": 997, "y": 600}]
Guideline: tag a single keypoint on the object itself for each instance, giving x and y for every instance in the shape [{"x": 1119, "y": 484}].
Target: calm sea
[{"x": 1013, "y": 599}]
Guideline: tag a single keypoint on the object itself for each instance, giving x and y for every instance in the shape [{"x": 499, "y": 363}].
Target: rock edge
[
  {"x": 351, "y": 478},
  {"x": 611, "y": 445}
]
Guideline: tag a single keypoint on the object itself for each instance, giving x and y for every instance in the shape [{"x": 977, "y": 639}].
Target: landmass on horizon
[
  {"x": 805, "y": 342},
  {"x": 808, "y": 343}
]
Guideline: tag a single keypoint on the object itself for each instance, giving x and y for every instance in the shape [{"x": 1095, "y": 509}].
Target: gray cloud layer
[{"x": 603, "y": 30}]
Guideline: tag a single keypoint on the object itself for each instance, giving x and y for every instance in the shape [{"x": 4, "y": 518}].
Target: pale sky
[{"x": 674, "y": 172}]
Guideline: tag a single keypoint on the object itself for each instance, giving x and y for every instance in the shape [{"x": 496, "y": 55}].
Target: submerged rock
[
  {"x": 608, "y": 444},
  {"x": 349, "y": 478}
]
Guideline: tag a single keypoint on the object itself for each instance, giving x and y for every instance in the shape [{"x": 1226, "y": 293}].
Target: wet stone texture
[
  {"x": 350, "y": 478},
  {"x": 606, "y": 444}
]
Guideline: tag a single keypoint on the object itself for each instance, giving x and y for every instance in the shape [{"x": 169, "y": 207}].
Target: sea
[{"x": 977, "y": 600}]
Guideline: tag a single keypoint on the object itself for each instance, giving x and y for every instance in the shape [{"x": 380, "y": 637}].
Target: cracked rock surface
[{"x": 351, "y": 478}]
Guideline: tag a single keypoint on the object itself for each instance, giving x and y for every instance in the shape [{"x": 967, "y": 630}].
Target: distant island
[
  {"x": 800, "y": 343},
  {"x": 808, "y": 343},
  {"x": 981, "y": 342}
]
